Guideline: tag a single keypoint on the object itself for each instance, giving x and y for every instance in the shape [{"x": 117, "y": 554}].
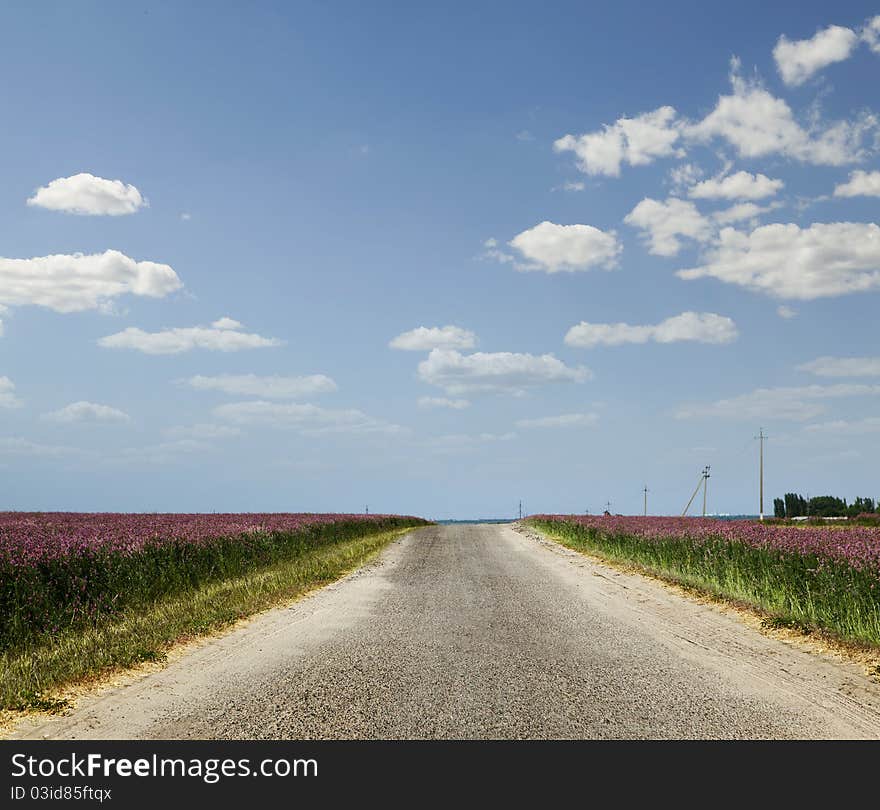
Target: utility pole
[
  {"x": 701, "y": 483},
  {"x": 520, "y": 510},
  {"x": 645, "y": 490},
  {"x": 761, "y": 438},
  {"x": 367, "y": 509},
  {"x": 705, "y": 487}
]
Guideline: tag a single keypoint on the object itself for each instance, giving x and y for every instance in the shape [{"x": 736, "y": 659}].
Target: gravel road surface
[{"x": 480, "y": 631}]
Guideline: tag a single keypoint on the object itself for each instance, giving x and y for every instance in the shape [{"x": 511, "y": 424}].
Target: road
[{"x": 479, "y": 631}]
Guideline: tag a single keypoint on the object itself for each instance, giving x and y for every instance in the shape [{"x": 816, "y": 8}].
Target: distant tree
[
  {"x": 795, "y": 505},
  {"x": 861, "y": 506},
  {"x": 827, "y": 506},
  {"x": 779, "y": 507}
]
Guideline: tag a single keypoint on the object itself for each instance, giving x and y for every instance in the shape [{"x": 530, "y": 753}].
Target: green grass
[
  {"x": 792, "y": 590},
  {"x": 30, "y": 676}
]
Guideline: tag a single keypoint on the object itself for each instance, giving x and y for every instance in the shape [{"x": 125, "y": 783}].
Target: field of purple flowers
[
  {"x": 810, "y": 576},
  {"x": 62, "y": 570}
]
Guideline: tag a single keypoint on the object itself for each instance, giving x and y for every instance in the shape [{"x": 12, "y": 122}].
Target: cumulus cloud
[
  {"x": 738, "y": 186},
  {"x": 270, "y": 387},
  {"x": 843, "y": 367},
  {"x": 78, "y": 282},
  {"x": 83, "y": 411},
  {"x": 860, "y": 184},
  {"x": 871, "y": 34},
  {"x": 702, "y": 327},
  {"x": 787, "y": 261},
  {"x": 307, "y": 419},
  {"x": 7, "y": 394},
  {"x": 562, "y": 421},
  {"x": 219, "y": 337},
  {"x": 684, "y": 176},
  {"x": 88, "y": 195},
  {"x": 784, "y": 403},
  {"x": 758, "y": 124},
  {"x": 634, "y": 141},
  {"x": 226, "y": 323},
  {"x": 443, "y": 402},
  {"x": 742, "y": 211},
  {"x": 786, "y": 312},
  {"x": 554, "y": 248},
  {"x": 662, "y": 223},
  {"x": 800, "y": 59},
  {"x": 424, "y": 338},
  {"x": 505, "y": 372}
]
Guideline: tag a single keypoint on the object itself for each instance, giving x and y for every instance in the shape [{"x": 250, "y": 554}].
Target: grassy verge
[
  {"x": 30, "y": 675},
  {"x": 794, "y": 590}
]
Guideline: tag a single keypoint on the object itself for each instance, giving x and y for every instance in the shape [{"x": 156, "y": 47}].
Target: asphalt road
[{"x": 478, "y": 631}]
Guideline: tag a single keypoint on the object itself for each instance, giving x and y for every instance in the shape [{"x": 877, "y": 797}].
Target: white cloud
[
  {"x": 556, "y": 248},
  {"x": 226, "y": 323},
  {"x": 738, "y": 186},
  {"x": 798, "y": 60},
  {"x": 7, "y": 394},
  {"x": 663, "y": 222},
  {"x": 844, "y": 427},
  {"x": 786, "y": 403},
  {"x": 742, "y": 211},
  {"x": 86, "y": 194},
  {"x": 636, "y": 141},
  {"x": 224, "y": 338},
  {"x": 423, "y": 339},
  {"x": 202, "y": 431},
  {"x": 843, "y": 367},
  {"x": 786, "y": 312},
  {"x": 506, "y": 372},
  {"x": 186, "y": 216},
  {"x": 860, "y": 184},
  {"x": 270, "y": 387},
  {"x": 17, "y": 446},
  {"x": 307, "y": 419},
  {"x": 443, "y": 402},
  {"x": 576, "y": 185},
  {"x": 83, "y": 411},
  {"x": 871, "y": 34},
  {"x": 786, "y": 261},
  {"x": 757, "y": 124},
  {"x": 684, "y": 176},
  {"x": 563, "y": 421},
  {"x": 702, "y": 327},
  {"x": 77, "y": 282}
]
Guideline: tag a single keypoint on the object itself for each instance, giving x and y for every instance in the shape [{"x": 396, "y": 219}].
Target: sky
[{"x": 437, "y": 259}]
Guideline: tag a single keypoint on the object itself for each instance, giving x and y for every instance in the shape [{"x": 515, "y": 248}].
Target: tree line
[{"x": 794, "y": 505}]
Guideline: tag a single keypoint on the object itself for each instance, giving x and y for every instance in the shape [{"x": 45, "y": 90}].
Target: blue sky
[{"x": 608, "y": 244}]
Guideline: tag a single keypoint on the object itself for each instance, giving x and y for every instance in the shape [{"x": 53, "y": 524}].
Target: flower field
[
  {"x": 812, "y": 576},
  {"x": 63, "y": 570}
]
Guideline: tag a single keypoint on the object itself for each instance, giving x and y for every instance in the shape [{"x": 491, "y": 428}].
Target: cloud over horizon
[{"x": 87, "y": 195}]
